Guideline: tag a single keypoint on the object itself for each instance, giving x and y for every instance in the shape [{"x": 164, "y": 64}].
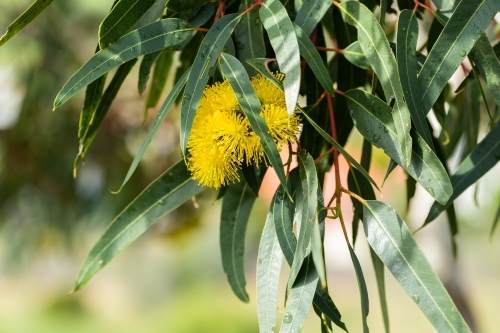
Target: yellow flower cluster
[{"x": 222, "y": 139}]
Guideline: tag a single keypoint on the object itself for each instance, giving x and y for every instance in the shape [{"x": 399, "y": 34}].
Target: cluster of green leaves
[{"x": 385, "y": 90}]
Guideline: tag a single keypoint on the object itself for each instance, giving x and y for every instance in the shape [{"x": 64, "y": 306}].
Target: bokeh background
[{"x": 171, "y": 278}]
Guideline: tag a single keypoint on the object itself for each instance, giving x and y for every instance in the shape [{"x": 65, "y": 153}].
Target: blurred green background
[{"x": 171, "y": 279}]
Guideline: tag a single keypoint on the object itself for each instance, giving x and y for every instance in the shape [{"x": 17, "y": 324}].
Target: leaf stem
[{"x": 331, "y": 49}]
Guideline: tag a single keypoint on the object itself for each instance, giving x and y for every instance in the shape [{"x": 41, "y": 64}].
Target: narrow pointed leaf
[
  {"x": 324, "y": 303},
  {"x": 162, "y": 113},
  {"x": 236, "y": 207},
  {"x": 362, "y": 187},
  {"x": 145, "y": 69},
  {"x": 284, "y": 42},
  {"x": 249, "y": 37},
  {"x": 307, "y": 201},
  {"x": 238, "y": 78},
  {"x": 495, "y": 221},
  {"x": 254, "y": 176},
  {"x": 378, "y": 267},
  {"x": 166, "y": 193},
  {"x": 363, "y": 292},
  {"x": 484, "y": 157},
  {"x": 300, "y": 298},
  {"x": 407, "y": 68},
  {"x": 153, "y": 14},
  {"x": 390, "y": 168},
  {"x": 378, "y": 52},
  {"x": 260, "y": 64},
  {"x": 310, "y": 14},
  {"x": 341, "y": 150},
  {"x": 120, "y": 19},
  {"x": 392, "y": 241},
  {"x": 151, "y": 38},
  {"x": 317, "y": 253},
  {"x": 373, "y": 120},
  {"x": 486, "y": 61},
  {"x": 160, "y": 75},
  {"x": 269, "y": 261},
  {"x": 469, "y": 20},
  {"x": 309, "y": 52},
  {"x": 102, "y": 109},
  {"x": 24, "y": 19},
  {"x": 206, "y": 58}
]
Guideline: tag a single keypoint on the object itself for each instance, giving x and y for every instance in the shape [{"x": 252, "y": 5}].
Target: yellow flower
[{"x": 222, "y": 139}]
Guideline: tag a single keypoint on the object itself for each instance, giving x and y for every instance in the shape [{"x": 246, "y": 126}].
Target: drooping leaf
[
  {"x": 160, "y": 75},
  {"x": 145, "y": 70},
  {"x": 281, "y": 34},
  {"x": 309, "y": 52},
  {"x": 373, "y": 119},
  {"x": 363, "y": 291},
  {"x": 269, "y": 260},
  {"x": 362, "y": 187},
  {"x": 378, "y": 267},
  {"x": 310, "y": 14},
  {"x": 120, "y": 19},
  {"x": 162, "y": 113},
  {"x": 307, "y": 201},
  {"x": 407, "y": 68},
  {"x": 486, "y": 61},
  {"x": 238, "y": 78},
  {"x": 300, "y": 298},
  {"x": 236, "y": 207},
  {"x": 376, "y": 48},
  {"x": 341, "y": 150},
  {"x": 151, "y": 38},
  {"x": 166, "y": 193},
  {"x": 206, "y": 58},
  {"x": 392, "y": 241},
  {"x": 469, "y": 20},
  {"x": 93, "y": 95},
  {"x": 101, "y": 110},
  {"x": 249, "y": 37},
  {"x": 153, "y": 14},
  {"x": 24, "y": 19},
  {"x": 253, "y": 176},
  {"x": 484, "y": 157}
]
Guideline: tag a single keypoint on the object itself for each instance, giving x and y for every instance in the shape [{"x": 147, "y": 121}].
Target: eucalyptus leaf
[
  {"x": 389, "y": 237},
  {"x": 310, "y": 14},
  {"x": 151, "y": 38},
  {"x": 166, "y": 193}
]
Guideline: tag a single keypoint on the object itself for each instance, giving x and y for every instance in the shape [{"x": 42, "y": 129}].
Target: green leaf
[
  {"x": 160, "y": 75},
  {"x": 376, "y": 48},
  {"x": 249, "y": 37},
  {"x": 300, "y": 298},
  {"x": 206, "y": 58},
  {"x": 162, "y": 113},
  {"x": 355, "y": 55},
  {"x": 151, "y": 38},
  {"x": 307, "y": 202},
  {"x": 484, "y": 157},
  {"x": 253, "y": 176},
  {"x": 153, "y": 14},
  {"x": 470, "y": 19},
  {"x": 269, "y": 261},
  {"x": 378, "y": 267},
  {"x": 24, "y": 19},
  {"x": 486, "y": 61},
  {"x": 341, "y": 150},
  {"x": 120, "y": 19},
  {"x": 310, "y": 14},
  {"x": 101, "y": 110},
  {"x": 324, "y": 303},
  {"x": 407, "y": 68},
  {"x": 93, "y": 95},
  {"x": 363, "y": 292},
  {"x": 238, "y": 78},
  {"x": 373, "y": 120},
  {"x": 236, "y": 207},
  {"x": 145, "y": 69},
  {"x": 166, "y": 193},
  {"x": 283, "y": 209},
  {"x": 392, "y": 241},
  {"x": 284, "y": 42},
  {"x": 309, "y": 52}
]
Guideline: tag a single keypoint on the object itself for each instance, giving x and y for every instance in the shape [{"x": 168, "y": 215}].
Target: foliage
[{"x": 232, "y": 129}]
